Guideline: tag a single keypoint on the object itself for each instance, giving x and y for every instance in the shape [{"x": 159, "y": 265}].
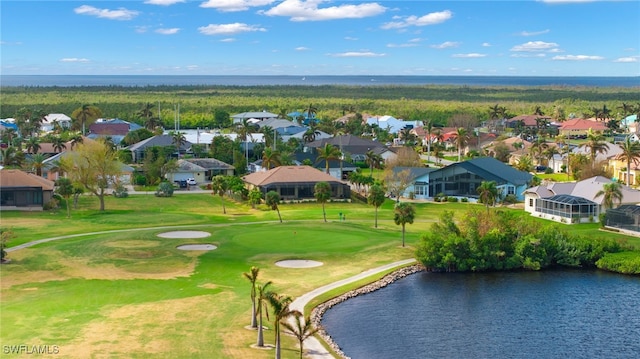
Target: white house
[
  {"x": 51, "y": 119},
  {"x": 392, "y": 124}
]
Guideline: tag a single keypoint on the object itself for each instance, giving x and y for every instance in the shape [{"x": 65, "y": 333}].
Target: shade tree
[
  {"x": 376, "y": 198},
  {"x": 404, "y": 213}
]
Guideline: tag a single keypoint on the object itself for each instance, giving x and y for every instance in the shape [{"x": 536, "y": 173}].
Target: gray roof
[
  {"x": 161, "y": 140},
  {"x": 493, "y": 170},
  {"x": 209, "y": 163},
  {"x": 258, "y": 115},
  {"x": 185, "y": 166},
  {"x": 414, "y": 172},
  {"x": 587, "y": 189}
]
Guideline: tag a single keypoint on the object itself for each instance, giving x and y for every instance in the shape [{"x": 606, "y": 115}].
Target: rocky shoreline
[{"x": 318, "y": 312}]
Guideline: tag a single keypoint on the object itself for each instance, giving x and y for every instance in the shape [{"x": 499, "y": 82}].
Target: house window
[
  {"x": 530, "y": 202},
  {"x": 421, "y": 190}
]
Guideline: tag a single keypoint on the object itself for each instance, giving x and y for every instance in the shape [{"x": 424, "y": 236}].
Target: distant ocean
[{"x": 158, "y": 80}]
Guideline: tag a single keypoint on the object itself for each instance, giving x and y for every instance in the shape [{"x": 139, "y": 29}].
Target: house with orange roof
[
  {"x": 24, "y": 191},
  {"x": 578, "y": 127},
  {"x": 295, "y": 182}
]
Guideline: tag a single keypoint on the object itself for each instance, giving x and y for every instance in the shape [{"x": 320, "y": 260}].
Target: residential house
[
  {"x": 573, "y": 202},
  {"x": 392, "y": 124},
  {"x": 516, "y": 146},
  {"x": 578, "y": 127},
  {"x": 417, "y": 179},
  {"x": 114, "y": 128},
  {"x": 295, "y": 182},
  {"x": 353, "y": 146},
  {"x": 201, "y": 169},
  {"x": 461, "y": 179},
  {"x": 24, "y": 191},
  {"x": 52, "y": 120},
  {"x": 255, "y": 117},
  {"x": 337, "y": 168},
  {"x": 138, "y": 149}
]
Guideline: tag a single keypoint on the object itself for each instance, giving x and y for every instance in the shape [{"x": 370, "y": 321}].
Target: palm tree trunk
[
  {"x": 279, "y": 217},
  {"x": 254, "y": 322},
  {"x": 260, "y": 334},
  {"x": 403, "y": 235},
  {"x": 324, "y": 214},
  {"x": 278, "y": 342},
  {"x": 376, "y": 221}
]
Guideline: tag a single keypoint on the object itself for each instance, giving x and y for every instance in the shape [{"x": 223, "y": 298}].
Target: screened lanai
[
  {"x": 567, "y": 206},
  {"x": 624, "y": 217}
]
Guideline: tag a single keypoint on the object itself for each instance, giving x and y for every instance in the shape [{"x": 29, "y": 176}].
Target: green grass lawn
[{"x": 133, "y": 294}]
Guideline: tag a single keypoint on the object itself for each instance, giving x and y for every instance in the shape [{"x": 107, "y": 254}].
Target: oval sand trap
[
  {"x": 298, "y": 263},
  {"x": 184, "y": 234},
  {"x": 197, "y": 247}
]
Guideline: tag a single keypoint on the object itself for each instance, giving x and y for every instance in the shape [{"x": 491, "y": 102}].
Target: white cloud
[
  {"x": 534, "y": 33},
  {"x": 309, "y": 10},
  {"x": 163, "y": 2},
  {"x": 171, "y": 31},
  {"x": 446, "y": 44},
  {"x": 302, "y": 48},
  {"x": 119, "y": 14},
  {"x": 469, "y": 56},
  {"x": 74, "y": 59},
  {"x": 141, "y": 29},
  {"x": 228, "y": 39},
  {"x": 234, "y": 5},
  {"x": 351, "y": 38},
  {"x": 228, "y": 29},
  {"x": 535, "y": 46},
  {"x": 407, "y": 44},
  {"x": 429, "y": 19},
  {"x": 627, "y": 59},
  {"x": 577, "y": 58},
  {"x": 529, "y": 55},
  {"x": 358, "y": 54},
  {"x": 486, "y": 44}
]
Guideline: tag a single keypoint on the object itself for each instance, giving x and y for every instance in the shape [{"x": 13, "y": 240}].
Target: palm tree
[
  {"x": 301, "y": 329},
  {"x": 33, "y": 145},
  {"x": 37, "y": 162},
  {"x": 610, "y": 192},
  {"x": 219, "y": 186},
  {"x": 281, "y": 311},
  {"x": 488, "y": 193},
  {"x": 322, "y": 192},
  {"x": 550, "y": 153},
  {"x": 11, "y": 157},
  {"x": 178, "y": 140},
  {"x": 310, "y": 135},
  {"x": 373, "y": 160},
  {"x": 596, "y": 144},
  {"x": 327, "y": 153},
  {"x": 429, "y": 128},
  {"x": 85, "y": 114},
  {"x": 403, "y": 213},
  {"x": 462, "y": 137},
  {"x": 630, "y": 153},
  {"x": 150, "y": 121},
  {"x": 407, "y": 136},
  {"x": 269, "y": 135},
  {"x": 311, "y": 112},
  {"x": 58, "y": 144},
  {"x": 252, "y": 276},
  {"x": 262, "y": 296},
  {"x": 272, "y": 198},
  {"x": 77, "y": 139},
  {"x": 271, "y": 157},
  {"x": 9, "y": 134},
  {"x": 376, "y": 199}
]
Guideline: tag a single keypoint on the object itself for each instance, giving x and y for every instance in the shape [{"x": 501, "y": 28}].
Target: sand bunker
[
  {"x": 298, "y": 263},
  {"x": 184, "y": 234},
  {"x": 197, "y": 247}
]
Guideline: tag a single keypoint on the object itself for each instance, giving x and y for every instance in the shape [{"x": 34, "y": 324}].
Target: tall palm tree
[
  {"x": 252, "y": 276},
  {"x": 219, "y": 186},
  {"x": 271, "y": 158},
  {"x": 550, "y": 153},
  {"x": 630, "y": 153},
  {"x": 327, "y": 153},
  {"x": 461, "y": 137},
  {"x": 9, "y": 134},
  {"x": 58, "y": 144},
  {"x": 429, "y": 128},
  {"x": 488, "y": 193},
  {"x": 310, "y": 135},
  {"x": 373, "y": 160},
  {"x": 178, "y": 140},
  {"x": 86, "y": 114},
  {"x": 12, "y": 157},
  {"x": 311, "y": 112},
  {"x": 301, "y": 329},
  {"x": 281, "y": 311},
  {"x": 33, "y": 145},
  {"x": 262, "y": 296},
  {"x": 403, "y": 213},
  {"x": 596, "y": 144},
  {"x": 77, "y": 139},
  {"x": 376, "y": 199},
  {"x": 37, "y": 162},
  {"x": 272, "y": 199},
  {"x": 146, "y": 113},
  {"x": 610, "y": 192},
  {"x": 322, "y": 192}
]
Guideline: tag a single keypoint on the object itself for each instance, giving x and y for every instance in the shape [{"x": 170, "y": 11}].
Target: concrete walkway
[{"x": 314, "y": 348}]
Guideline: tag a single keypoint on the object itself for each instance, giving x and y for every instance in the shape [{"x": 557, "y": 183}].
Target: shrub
[
  {"x": 452, "y": 199},
  {"x": 464, "y": 199},
  {"x": 548, "y": 171},
  {"x": 140, "y": 180},
  {"x": 165, "y": 189},
  {"x": 120, "y": 191}
]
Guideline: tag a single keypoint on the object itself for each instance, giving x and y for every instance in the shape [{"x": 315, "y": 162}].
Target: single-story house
[
  {"x": 186, "y": 170},
  {"x": 461, "y": 179},
  {"x": 392, "y": 124},
  {"x": 354, "y": 146},
  {"x": 138, "y": 149},
  {"x": 212, "y": 167},
  {"x": 49, "y": 122},
  {"x": 257, "y": 116},
  {"x": 335, "y": 166},
  {"x": 295, "y": 182},
  {"x": 578, "y": 127},
  {"x": 24, "y": 191},
  {"x": 418, "y": 178},
  {"x": 573, "y": 202}
]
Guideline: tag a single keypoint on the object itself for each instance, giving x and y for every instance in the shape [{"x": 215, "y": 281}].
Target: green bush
[
  {"x": 452, "y": 199},
  {"x": 622, "y": 262},
  {"x": 120, "y": 191},
  {"x": 464, "y": 199},
  {"x": 165, "y": 189}
]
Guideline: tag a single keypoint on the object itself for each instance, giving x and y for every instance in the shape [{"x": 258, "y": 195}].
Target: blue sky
[{"x": 317, "y": 37}]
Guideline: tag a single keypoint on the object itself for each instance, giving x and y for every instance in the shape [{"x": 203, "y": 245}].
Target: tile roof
[
  {"x": 579, "y": 124},
  {"x": 289, "y": 174},
  {"x": 15, "y": 178}
]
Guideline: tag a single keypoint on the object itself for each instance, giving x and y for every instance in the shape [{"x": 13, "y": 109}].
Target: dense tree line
[
  {"x": 500, "y": 240},
  {"x": 205, "y": 106}
]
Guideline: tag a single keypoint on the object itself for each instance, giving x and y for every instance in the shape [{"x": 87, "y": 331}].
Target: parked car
[
  {"x": 181, "y": 183},
  {"x": 191, "y": 182}
]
